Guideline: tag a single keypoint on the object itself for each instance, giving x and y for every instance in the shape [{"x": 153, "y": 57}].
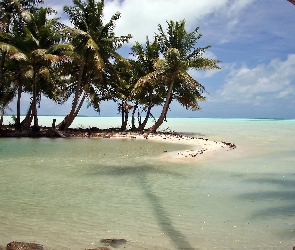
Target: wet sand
[{"x": 199, "y": 146}]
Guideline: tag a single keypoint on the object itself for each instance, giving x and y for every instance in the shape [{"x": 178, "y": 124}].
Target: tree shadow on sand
[{"x": 164, "y": 221}]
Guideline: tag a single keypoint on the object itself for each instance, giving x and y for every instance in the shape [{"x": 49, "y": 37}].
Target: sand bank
[{"x": 199, "y": 146}]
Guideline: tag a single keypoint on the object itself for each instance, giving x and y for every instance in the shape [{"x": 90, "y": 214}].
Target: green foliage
[
  {"x": 95, "y": 43},
  {"x": 38, "y": 55},
  {"x": 170, "y": 78}
]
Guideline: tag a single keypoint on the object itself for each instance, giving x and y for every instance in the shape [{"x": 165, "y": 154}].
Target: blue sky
[{"x": 254, "y": 39}]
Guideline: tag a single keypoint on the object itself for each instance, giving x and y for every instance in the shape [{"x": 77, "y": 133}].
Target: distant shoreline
[{"x": 102, "y": 116}]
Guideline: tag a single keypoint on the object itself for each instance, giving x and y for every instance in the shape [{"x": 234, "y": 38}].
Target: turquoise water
[{"x": 70, "y": 193}]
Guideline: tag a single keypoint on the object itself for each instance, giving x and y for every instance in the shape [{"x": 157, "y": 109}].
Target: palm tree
[
  {"x": 147, "y": 94},
  {"x": 14, "y": 63},
  {"x": 95, "y": 44},
  {"x": 122, "y": 91},
  {"x": 30, "y": 47},
  {"x": 7, "y": 93},
  {"x": 42, "y": 37},
  {"x": 13, "y": 15},
  {"x": 15, "y": 69},
  {"x": 180, "y": 55}
]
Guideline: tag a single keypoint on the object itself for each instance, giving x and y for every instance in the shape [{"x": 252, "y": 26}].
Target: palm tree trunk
[
  {"x": 34, "y": 107},
  {"x": 133, "y": 116},
  {"x": 68, "y": 120},
  {"x": 122, "y": 115},
  {"x": 161, "y": 118},
  {"x": 125, "y": 113},
  {"x": 19, "y": 94},
  {"x": 1, "y": 116},
  {"x": 79, "y": 107},
  {"x": 148, "y": 113},
  {"x": 26, "y": 123}
]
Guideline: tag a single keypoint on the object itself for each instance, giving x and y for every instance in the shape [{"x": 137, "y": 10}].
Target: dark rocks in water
[
  {"x": 230, "y": 145},
  {"x": 14, "y": 245},
  {"x": 99, "y": 248},
  {"x": 112, "y": 241}
]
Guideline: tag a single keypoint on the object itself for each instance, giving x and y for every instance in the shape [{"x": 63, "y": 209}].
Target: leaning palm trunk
[
  {"x": 161, "y": 118},
  {"x": 26, "y": 123},
  {"x": 148, "y": 113},
  {"x": 68, "y": 120},
  {"x": 76, "y": 105},
  {"x": 142, "y": 125}
]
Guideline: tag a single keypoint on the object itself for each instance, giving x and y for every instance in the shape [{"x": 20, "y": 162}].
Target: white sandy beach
[{"x": 199, "y": 146}]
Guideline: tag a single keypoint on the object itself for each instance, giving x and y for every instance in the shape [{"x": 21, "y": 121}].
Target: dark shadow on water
[
  {"x": 283, "y": 201},
  {"x": 164, "y": 221},
  {"x": 289, "y": 184},
  {"x": 270, "y": 195}
]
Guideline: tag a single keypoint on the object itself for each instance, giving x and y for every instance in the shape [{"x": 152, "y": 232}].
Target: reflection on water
[{"x": 70, "y": 194}]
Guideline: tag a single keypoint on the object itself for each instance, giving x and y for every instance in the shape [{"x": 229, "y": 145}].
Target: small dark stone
[
  {"x": 14, "y": 245},
  {"x": 112, "y": 241},
  {"x": 99, "y": 248}
]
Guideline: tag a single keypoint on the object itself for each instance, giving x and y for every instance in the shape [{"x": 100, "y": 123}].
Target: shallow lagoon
[{"x": 69, "y": 194}]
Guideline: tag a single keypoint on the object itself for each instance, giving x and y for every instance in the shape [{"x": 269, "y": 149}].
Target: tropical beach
[
  {"x": 73, "y": 193},
  {"x": 129, "y": 131},
  {"x": 198, "y": 146}
]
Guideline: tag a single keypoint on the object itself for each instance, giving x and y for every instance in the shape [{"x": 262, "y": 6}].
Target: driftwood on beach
[{"x": 60, "y": 134}]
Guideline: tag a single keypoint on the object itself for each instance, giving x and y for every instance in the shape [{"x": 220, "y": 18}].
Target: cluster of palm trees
[{"x": 43, "y": 57}]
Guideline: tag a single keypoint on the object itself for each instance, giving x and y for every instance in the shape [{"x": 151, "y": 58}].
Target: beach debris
[
  {"x": 15, "y": 245},
  {"x": 230, "y": 145},
  {"x": 99, "y": 248},
  {"x": 57, "y": 132},
  {"x": 113, "y": 241}
]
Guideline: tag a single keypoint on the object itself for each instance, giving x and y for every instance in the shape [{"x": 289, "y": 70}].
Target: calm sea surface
[{"x": 71, "y": 193}]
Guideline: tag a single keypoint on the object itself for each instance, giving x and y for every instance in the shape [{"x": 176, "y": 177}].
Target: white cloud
[
  {"x": 260, "y": 85},
  {"x": 237, "y": 6},
  {"x": 141, "y": 18}
]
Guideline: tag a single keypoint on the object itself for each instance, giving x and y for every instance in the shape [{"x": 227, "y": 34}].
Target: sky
[{"x": 253, "y": 39}]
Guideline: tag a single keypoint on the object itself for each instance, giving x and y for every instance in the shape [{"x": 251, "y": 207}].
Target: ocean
[{"x": 71, "y": 193}]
